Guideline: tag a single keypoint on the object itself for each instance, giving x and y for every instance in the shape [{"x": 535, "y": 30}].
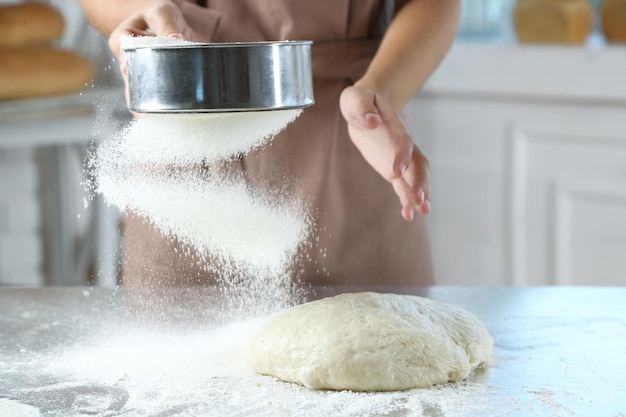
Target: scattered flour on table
[
  {"x": 207, "y": 374},
  {"x": 165, "y": 374},
  {"x": 149, "y": 356},
  {"x": 17, "y": 409}
]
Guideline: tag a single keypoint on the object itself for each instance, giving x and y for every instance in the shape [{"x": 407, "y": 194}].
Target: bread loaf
[
  {"x": 614, "y": 20},
  {"x": 553, "y": 21},
  {"x": 38, "y": 71},
  {"x": 29, "y": 24}
]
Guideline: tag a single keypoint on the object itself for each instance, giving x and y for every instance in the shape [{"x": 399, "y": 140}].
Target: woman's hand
[
  {"x": 155, "y": 18},
  {"x": 384, "y": 142},
  {"x": 414, "y": 44}
]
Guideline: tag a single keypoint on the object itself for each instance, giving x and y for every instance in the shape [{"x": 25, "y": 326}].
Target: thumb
[{"x": 358, "y": 107}]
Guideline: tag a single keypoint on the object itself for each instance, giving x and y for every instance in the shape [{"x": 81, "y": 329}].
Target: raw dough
[{"x": 371, "y": 342}]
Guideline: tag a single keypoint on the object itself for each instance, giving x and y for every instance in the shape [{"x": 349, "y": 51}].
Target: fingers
[
  {"x": 413, "y": 188},
  {"x": 135, "y": 25},
  {"x": 404, "y": 191},
  {"x": 408, "y": 201},
  {"x": 417, "y": 179},
  {"x": 404, "y": 148},
  {"x": 402, "y": 142},
  {"x": 166, "y": 19},
  {"x": 161, "y": 18}
]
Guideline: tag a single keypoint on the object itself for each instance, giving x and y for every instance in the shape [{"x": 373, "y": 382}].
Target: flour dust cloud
[{"x": 183, "y": 174}]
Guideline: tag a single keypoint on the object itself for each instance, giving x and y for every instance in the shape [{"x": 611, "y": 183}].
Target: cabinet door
[{"x": 568, "y": 204}]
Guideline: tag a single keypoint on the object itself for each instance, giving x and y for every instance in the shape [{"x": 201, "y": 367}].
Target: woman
[{"x": 350, "y": 151}]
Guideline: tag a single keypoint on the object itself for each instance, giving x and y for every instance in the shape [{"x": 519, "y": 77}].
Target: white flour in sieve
[{"x": 129, "y": 41}]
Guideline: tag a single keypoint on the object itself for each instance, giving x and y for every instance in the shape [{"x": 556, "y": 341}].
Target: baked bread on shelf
[
  {"x": 30, "y": 65},
  {"x": 29, "y": 23},
  {"x": 41, "y": 71},
  {"x": 553, "y": 21},
  {"x": 614, "y": 20}
]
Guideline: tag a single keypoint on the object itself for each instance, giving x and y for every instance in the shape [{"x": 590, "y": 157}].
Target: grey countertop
[{"x": 559, "y": 351}]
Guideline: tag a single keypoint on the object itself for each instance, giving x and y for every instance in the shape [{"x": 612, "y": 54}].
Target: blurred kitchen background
[{"x": 524, "y": 124}]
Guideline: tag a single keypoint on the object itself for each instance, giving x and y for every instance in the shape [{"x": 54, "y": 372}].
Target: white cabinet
[
  {"x": 528, "y": 182},
  {"x": 568, "y": 201},
  {"x": 47, "y": 235},
  {"x": 20, "y": 220}
]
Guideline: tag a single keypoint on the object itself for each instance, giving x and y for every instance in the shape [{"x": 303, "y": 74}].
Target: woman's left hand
[{"x": 383, "y": 140}]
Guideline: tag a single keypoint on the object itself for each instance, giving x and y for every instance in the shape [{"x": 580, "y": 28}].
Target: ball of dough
[{"x": 371, "y": 342}]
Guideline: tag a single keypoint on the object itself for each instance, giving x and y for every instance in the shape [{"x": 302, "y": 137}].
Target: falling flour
[
  {"x": 187, "y": 138},
  {"x": 214, "y": 216},
  {"x": 182, "y": 173}
]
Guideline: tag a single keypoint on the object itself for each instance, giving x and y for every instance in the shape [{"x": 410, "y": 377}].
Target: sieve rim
[
  {"x": 219, "y": 77},
  {"x": 216, "y": 45}
]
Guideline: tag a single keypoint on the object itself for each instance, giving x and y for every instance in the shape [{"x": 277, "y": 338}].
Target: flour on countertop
[
  {"x": 17, "y": 409},
  {"x": 130, "y": 368},
  {"x": 143, "y": 373}
]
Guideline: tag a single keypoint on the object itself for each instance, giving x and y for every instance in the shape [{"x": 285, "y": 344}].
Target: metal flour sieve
[{"x": 219, "y": 77}]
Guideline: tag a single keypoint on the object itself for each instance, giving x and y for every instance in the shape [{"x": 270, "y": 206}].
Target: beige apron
[{"x": 363, "y": 239}]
